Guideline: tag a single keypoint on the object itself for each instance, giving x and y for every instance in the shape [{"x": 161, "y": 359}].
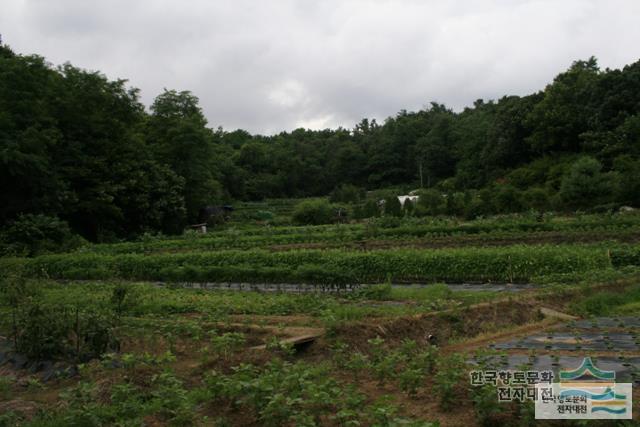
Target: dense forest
[{"x": 77, "y": 148}]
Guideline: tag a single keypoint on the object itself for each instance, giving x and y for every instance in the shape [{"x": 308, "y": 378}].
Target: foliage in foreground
[{"x": 279, "y": 393}]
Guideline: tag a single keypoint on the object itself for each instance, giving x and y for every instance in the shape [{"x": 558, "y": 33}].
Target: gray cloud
[{"x": 274, "y": 65}]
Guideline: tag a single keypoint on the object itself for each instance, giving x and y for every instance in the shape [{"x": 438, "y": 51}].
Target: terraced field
[{"x": 393, "y": 317}]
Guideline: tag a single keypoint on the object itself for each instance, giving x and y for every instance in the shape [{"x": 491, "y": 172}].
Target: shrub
[
  {"x": 410, "y": 380},
  {"x": 475, "y": 208},
  {"x": 486, "y": 405},
  {"x": 357, "y": 363},
  {"x": 226, "y": 344},
  {"x": 507, "y": 199},
  {"x": 628, "y": 191},
  {"x": 124, "y": 299},
  {"x": 409, "y": 207},
  {"x": 263, "y": 216},
  {"x": 388, "y": 222},
  {"x": 450, "y": 373},
  {"x": 15, "y": 289},
  {"x": 313, "y": 212},
  {"x": 455, "y": 203},
  {"x": 584, "y": 185},
  {"x": 346, "y": 193},
  {"x": 370, "y": 209},
  {"x": 30, "y": 235},
  {"x": 380, "y": 292},
  {"x": 54, "y": 332},
  {"x": 430, "y": 203},
  {"x": 536, "y": 198},
  {"x": 392, "y": 206}
]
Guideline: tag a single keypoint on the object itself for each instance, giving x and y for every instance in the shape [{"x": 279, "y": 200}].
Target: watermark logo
[{"x": 585, "y": 393}]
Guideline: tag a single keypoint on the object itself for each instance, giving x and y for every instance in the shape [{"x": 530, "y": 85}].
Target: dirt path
[{"x": 469, "y": 240}]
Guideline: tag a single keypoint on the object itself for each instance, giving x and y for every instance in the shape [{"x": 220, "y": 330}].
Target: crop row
[
  {"x": 336, "y": 238},
  {"x": 404, "y": 230},
  {"x": 502, "y": 264}
]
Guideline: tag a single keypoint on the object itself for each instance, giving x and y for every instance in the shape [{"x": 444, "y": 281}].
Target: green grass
[
  {"x": 609, "y": 303},
  {"x": 437, "y": 292},
  {"x": 149, "y": 301}
]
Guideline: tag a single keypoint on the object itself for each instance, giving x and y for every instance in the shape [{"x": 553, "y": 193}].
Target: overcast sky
[{"x": 272, "y": 65}]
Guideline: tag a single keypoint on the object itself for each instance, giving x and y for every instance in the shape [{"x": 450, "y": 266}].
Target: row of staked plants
[{"x": 44, "y": 330}]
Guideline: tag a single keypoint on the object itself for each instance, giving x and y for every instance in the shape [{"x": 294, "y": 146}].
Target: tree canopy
[{"x": 78, "y": 146}]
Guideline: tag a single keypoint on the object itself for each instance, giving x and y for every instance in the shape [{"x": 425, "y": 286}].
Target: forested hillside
[{"x": 80, "y": 148}]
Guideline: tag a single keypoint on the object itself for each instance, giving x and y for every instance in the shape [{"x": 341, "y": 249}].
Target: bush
[
  {"x": 31, "y": 235},
  {"x": 430, "y": 202},
  {"x": 379, "y": 292},
  {"x": 628, "y": 191},
  {"x": 45, "y": 332},
  {"x": 450, "y": 373},
  {"x": 486, "y": 405},
  {"x": 584, "y": 185},
  {"x": 455, "y": 203},
  {"x": 263, "y": 216},
  {"x": 388, "y": 222},
  {"x": 392, "y": 206},
  {"x": 536, "y": 198},
  {"x": 507, "y": 199},
  {"x": 313, "y": 212},
  {"x": 409, "y": 207},
  {"x": 369, "y": 210},
  {"x": 346, "y": 193},
  {"x": 475, "y": 208}
]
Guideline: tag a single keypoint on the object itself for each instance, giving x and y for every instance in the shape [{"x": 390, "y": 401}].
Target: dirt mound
[{"x": 464, "y": 322}]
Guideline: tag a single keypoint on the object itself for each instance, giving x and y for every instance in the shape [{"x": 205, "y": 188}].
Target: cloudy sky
[{"x": 272, "y": 65}]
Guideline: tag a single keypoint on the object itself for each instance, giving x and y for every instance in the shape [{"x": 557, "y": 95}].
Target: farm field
[
  {"x": 384, "y": 333},
  {"x": 299, "y": 214}
]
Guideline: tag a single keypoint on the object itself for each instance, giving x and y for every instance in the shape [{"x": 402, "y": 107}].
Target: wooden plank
[{"x": 294, "y": 341}]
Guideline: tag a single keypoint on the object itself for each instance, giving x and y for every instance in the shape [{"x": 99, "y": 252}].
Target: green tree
[
  {"x": 104, "y": 161},
  {"x": 29, "y": 180},
  {"x": 30, "y": 235},
  {"x": 435, "y": 151},
  {"x": 584, "y": 185},
  {"x": 178, "y": 134},
  {"x": 628, "y": 169},
  {"x": 564, "y": 113}
]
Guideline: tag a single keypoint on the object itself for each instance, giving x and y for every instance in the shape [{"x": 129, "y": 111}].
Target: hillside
[{"x": 80, "y": 148}]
